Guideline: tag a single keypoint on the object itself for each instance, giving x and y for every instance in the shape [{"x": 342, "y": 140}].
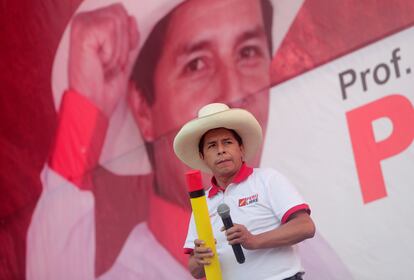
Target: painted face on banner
[{"x": 213, "y": 51}]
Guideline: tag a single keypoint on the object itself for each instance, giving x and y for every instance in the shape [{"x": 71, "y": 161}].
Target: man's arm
[
  {"x": 298, "y": 228},
  {"x": 61, "y": 236},
  {"x": 100, "y": 58}
]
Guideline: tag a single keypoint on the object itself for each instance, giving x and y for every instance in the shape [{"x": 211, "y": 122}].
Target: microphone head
[{"x": 223, "y": 210}]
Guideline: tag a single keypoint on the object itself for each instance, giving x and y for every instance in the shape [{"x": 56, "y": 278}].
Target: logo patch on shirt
[{"x": 248, "y": 200}]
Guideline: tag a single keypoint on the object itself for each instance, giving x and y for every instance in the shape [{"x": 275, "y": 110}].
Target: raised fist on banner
[{"x": 101, "y": 53}]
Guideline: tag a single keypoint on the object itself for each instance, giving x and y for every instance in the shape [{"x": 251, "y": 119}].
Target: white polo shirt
[{"x": 261, "y": 199}]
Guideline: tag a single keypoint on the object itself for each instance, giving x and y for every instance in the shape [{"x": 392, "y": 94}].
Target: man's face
[
  {"x": 222, "y": 153},
  {"x": 215, "y": 51}
]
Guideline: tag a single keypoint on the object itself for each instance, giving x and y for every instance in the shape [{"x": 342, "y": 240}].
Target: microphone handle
[{"x": 237, "y": 249}]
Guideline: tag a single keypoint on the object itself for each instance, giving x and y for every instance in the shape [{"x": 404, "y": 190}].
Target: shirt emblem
[{"x": 248, "y": 200}]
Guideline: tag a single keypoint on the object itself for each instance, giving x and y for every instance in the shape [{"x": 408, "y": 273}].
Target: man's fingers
[
  {"x": 236, "y": 241},
  {"x": 199, "y": 242},
  {"x": 204, "y": 258},
  {"x": 112, "y": 33},
  {"x": 106, "y": 34},
  {"x": 201, "y": 250},
  {"x": 206, "y": 261},
  {"x": 133, "y": 33},
  {"x": 207, "y": 254},
  {"x": 121, "y": 19},
  {"x": 202, "y": 254},
  {"x": 233, "y": 230},
  {"x": 233, "y": 235}
]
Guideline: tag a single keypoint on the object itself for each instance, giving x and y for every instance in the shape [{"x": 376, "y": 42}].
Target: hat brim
[{"x": 244, "y": 123}]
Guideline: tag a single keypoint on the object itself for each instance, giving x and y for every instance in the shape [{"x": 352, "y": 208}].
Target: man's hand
[
  {"x": 200, "y": 257},
  {"x": 239, "y": 234},
  {"x": 101, "y": 55},
  {"x": 202, "y": 254},
  {"x": 298, "y": 228}
]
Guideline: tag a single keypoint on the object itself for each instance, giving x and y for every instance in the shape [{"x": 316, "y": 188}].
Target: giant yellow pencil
[{"x": 202, "y": 221}]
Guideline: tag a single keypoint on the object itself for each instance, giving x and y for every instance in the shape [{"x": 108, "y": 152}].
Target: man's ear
[
  {"x": 201, "y": 155},
  {"x": 141, "y": 111},
  {"x": 242, "y": 151}
]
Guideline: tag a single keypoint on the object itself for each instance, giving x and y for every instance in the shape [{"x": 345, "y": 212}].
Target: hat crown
[
  {"x": 212, "y": 109},
  {"x": 211, "y": 116}
]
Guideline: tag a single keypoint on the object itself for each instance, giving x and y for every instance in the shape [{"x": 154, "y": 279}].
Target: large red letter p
[{"x": 368, "y": 153}]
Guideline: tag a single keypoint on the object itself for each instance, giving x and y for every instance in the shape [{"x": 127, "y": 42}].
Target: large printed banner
[
  {"x": 344, "y": 134},
  {"x": 94, "y": 92}
]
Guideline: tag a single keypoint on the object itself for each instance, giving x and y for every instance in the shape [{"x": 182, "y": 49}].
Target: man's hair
[
  {"x": 201, "y": 142},
  {"x": 146, "y": 63}
]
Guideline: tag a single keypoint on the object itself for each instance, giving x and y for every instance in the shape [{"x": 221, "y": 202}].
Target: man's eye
[
  {"x": 249, "y": 52},
  {"x": 195, "y": 65},
  {"x": 211, "y": 146}
]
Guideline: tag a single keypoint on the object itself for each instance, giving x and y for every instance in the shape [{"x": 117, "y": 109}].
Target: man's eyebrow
[
  {"x": 211, "y": 142},
  {"x": 222, "y": 140},
  {"x": 191, "y": 47},
  {"x": 256, "y": 32},
  {"x": 186, "y": 49}
]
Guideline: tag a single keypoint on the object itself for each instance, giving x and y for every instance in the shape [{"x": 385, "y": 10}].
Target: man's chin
[{"x": 226, "y": 171}]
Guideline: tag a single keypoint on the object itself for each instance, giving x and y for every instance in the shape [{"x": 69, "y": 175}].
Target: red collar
[{"x": 244, "y": 172}]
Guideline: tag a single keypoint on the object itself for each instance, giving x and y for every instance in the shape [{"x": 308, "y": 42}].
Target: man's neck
[{"x": 224, "y": 180}]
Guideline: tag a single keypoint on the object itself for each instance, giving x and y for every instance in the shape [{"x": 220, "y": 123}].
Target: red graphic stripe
[{"x": 294, "y": 210}]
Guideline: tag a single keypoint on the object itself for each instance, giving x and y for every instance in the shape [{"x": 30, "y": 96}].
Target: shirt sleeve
[
  {"x": 79, "y": 139},
  {"x": 61, "y": 235},
  {"x": 285, "y": 200},
  {"x": 191, "y": 236}
]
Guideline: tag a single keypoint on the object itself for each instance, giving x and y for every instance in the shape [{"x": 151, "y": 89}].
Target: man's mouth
[{"x": 220, "y": 161}]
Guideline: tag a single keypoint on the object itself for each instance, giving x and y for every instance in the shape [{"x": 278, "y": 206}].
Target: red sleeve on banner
[
  {"x": 79, "y": 139},
  {"x": 188, "y": 251},
  {"x": 293, "y": 210}
]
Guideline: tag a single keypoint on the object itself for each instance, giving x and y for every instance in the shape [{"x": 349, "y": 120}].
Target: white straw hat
[{"x": 212, "y": 116}]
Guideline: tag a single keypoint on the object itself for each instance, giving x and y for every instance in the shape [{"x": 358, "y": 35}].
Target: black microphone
[{"x": 224, "y": 211}]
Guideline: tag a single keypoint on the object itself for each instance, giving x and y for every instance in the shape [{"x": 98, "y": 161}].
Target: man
[
  {"x": 270, "y": 214},
  {"x": 224, "y": 55}
]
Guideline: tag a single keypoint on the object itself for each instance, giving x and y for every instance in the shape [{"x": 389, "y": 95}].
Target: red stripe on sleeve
[
  {"x": 79, "y": 139},
  {"x": 295, "y": 209}
]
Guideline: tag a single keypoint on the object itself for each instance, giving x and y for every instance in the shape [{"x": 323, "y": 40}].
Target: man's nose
[
  {"x": 230, "y": 84},
  {"x": 221, "y": 149}
]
